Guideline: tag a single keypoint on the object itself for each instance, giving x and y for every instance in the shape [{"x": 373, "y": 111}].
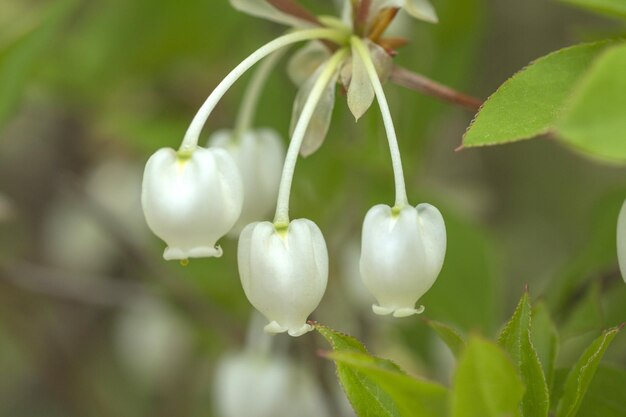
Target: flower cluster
[{"x": 194, "y": 196}]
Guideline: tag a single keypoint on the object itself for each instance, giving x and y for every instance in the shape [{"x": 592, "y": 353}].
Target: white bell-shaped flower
[
  {"x": 621, "y": 240},
  {"x": 191, "y": 200},
  {"x": 284, "y": 272},
  {"x": 252, "y": 384},
  {"x": 259, "y": 155},
  {"x": 402, "y": 253}
]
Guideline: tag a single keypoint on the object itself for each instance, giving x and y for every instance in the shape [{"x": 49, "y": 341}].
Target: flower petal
[
  {"x": 382, "y": 61},
  {"x": 360, "y": 92},
  {"x": 305, "y": 61},
  {"x": 378, "y": 5},
  {"x": 421, "y": 9},
  {"x": 264, "y": 10},
  {"x": 320, "y": 121}
]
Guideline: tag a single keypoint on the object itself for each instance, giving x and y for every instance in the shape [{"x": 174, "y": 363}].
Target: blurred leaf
[
  {"x": 606, "y": 394},
  {"x": 469, "y": 256},
  {"x": 527, "y": 105},
  {"x": 515, "y": 338},
  {"x": 593, "y": 260},
  {"x": 616, "y": 8},
  {"x": 586, "y": 315},
  {"x": 445, "y": 53},
  {"x": 593, "y": 121},
  {"x": 580, "y": 376},
  {"x": 412, "y": 396},
  {"x": 486, "y": 383},
  {"x": 450, "y": 336},
  {"x": 378, "y": 387},
  {"x": 20, "y": 58},
  {"x": 545, "y": 338}
]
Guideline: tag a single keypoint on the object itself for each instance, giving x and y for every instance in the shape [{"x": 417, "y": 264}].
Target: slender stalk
[
  {"x": 192, "y": 135},
  {"x": 417, "y": 82},
  {"x": 281, "y": 219},
  {"x": 245, "y": 117},
  {"x": 361, "y": 49}
]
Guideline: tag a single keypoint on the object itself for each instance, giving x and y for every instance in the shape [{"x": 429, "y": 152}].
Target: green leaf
[
  {"x": 486, "y": 383},
  {"x": 450, "y": 336},
  {"x": 340, "y": 341},
  {"x": 477, "y": 306},
  {"x": 378, "y": 387},
  {"x": 594, "y": 121},
  {"x": 580, "y": 376},
  {"x": 606, "y": 394},
  {"x": 528, "y": 104},
  {"x": 615, "y": 8},
  {"x": 515, "y": 338},
  {"x": 545, "y": 338},
  {"x": 411, "y": 396},
  {"x": 20, "y": 57}
]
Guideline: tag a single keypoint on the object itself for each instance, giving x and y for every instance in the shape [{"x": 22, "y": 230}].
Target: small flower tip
[
  {"x": 397, "y": 312},
  {"x": 183, "y": 255}
]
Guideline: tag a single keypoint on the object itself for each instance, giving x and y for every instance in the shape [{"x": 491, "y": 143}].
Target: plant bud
[{"x": 259, "y": 156}]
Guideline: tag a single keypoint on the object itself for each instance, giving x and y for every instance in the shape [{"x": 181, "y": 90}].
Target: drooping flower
[
  {"x": 74, "y": 238},
  {"x": 151, "y": 340},
  {"x": 284, "y": 272},
  {"x": 7, "y": 209},
  {"x": 402, "y": 252},
  {"x": 621, "y": 240},
  {"x": 259, "y": 155},
  {"x": 191, "y": 200},
  {"x": 260, "y": 383}
]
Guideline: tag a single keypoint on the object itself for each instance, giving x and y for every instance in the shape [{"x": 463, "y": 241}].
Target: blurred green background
[{"x": 94, "y": 323}]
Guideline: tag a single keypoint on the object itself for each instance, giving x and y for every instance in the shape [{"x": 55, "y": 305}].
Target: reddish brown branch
[
  {"x": 294, "y": 9},
  {"x": 361, "y": 15},
  {"x": 417, "y": 82}
]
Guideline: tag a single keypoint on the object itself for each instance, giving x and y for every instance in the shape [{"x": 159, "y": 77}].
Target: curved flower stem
[
  {"x": 250, "y": 101},
  {"x": 195, "y": 128},
  {"x": 281, "y": 219},
  {"x": 361, "y": 49}
]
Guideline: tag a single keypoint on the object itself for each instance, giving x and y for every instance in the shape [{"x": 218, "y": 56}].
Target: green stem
[
  {"x": 245, "y": 117},
  {"x": 396, "y": 160},
  {"x": 190, "y": 141}
]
